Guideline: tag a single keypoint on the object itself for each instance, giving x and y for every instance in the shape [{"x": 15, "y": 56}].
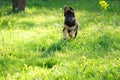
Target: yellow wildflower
[{"x": 104, "y": 4}]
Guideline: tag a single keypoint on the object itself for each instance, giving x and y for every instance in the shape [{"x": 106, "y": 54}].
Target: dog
[{"x": 70, "y": 23}]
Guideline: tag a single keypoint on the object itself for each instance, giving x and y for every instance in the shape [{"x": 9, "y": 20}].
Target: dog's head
[{"x": 69, "y": 14}]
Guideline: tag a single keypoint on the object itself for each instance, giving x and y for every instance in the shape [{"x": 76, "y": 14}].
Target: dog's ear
[
  {"x": 71, "y": 9},
  {"x": 65, "y": 9}
]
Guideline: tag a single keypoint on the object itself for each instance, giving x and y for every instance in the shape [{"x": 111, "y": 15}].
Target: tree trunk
[{"x": 18, "y": 5}]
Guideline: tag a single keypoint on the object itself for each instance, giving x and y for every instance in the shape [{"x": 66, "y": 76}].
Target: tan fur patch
[
  {"x": 71, "y": 34},
  {"x": 65, "y": 32}
]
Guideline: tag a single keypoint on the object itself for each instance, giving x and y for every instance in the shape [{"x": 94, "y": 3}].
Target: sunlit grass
[{"x": 31, "y": 44}]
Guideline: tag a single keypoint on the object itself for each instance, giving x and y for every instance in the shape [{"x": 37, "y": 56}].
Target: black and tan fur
[{"x": 70, "y": 23}]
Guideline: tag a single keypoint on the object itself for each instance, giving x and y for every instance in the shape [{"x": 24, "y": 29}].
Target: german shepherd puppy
[{"x": 70, "y": 23}]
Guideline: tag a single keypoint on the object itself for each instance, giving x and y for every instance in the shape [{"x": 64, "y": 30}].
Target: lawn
[{"x": 32, "y": 45}]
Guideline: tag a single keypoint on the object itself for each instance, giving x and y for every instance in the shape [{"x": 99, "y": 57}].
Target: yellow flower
[{"x": 103, "y": 4}]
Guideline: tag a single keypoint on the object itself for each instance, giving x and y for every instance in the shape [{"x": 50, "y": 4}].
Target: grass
[{"x": 31, "y": 45}]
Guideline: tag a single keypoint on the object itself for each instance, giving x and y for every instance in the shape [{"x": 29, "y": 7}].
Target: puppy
[{"x": 70, "y": 23}]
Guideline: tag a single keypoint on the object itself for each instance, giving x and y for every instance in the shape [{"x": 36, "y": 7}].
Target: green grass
[{"x": 32, "y": 48}]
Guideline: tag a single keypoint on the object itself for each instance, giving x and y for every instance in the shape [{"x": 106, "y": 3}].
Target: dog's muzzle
[{"x": 70, "y": 19}]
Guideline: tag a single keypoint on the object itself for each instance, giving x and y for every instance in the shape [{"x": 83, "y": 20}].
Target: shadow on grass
[
  {"x": 80, "y": 5},
  {"x": 85, "y": 5},
  {"x": 56, "y": 46},
  {"x": 47, "y": 59},
  {"x": 48, "y": 62},
  {"x": 56, "y": 4}
]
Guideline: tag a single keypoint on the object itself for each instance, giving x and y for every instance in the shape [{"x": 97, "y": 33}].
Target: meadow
[{"x": 32, "y": 45}]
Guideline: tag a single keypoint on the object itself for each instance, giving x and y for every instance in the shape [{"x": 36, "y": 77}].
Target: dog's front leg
[
  {"x": 65, "y": 31},
  {"x": 72, "y": 34}
]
